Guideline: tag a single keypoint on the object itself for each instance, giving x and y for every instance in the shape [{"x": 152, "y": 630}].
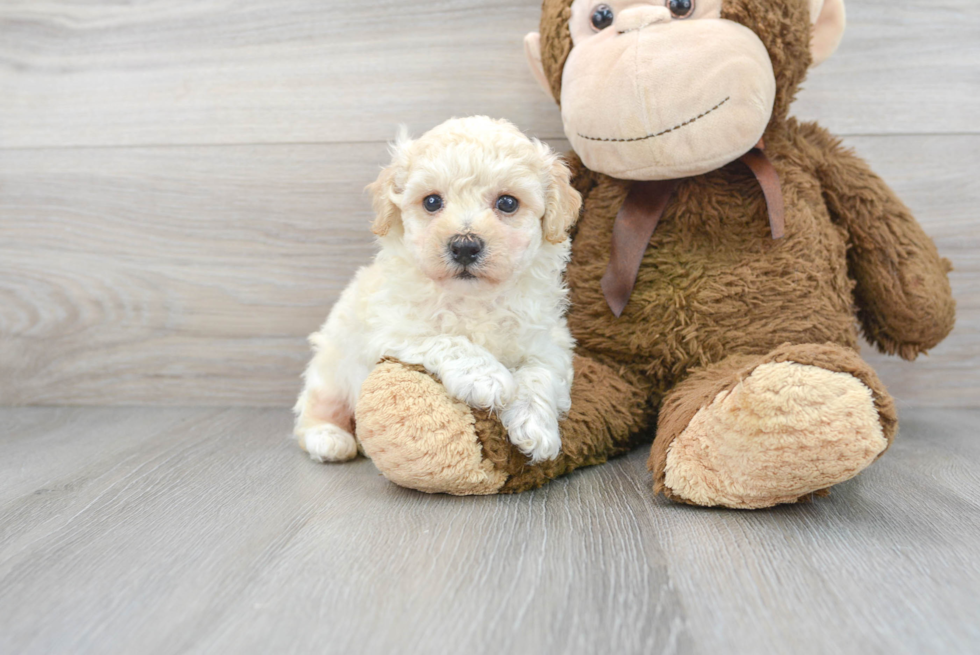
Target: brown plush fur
[
  {"x": 716, "y": 296},
  {"x": 609, "y": 408}
]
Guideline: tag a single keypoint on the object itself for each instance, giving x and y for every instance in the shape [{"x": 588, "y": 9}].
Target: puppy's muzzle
[{"x": 466, "y": 249}]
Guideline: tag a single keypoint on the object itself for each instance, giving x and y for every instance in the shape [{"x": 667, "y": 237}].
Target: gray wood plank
[
  {"x": 191, "y": 275},
  {"x": 304, "y": 71},
  {"x": 132, "y": 276},
  {"x": 206, "y": 531},
  {"x": 903, "y": 67}
]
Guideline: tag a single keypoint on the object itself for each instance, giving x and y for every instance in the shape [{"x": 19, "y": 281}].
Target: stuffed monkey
[{"x": 724, "y": 261}]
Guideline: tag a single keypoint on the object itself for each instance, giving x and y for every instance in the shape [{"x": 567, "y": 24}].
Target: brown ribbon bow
[{"x": 642, "y": 209}]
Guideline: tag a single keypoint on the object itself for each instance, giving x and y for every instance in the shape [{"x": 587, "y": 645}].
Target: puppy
[{"x": 472, "y": 220}]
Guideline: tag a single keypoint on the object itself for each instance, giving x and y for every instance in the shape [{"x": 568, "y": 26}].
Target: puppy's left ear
[{"x": 562, "y": 205}]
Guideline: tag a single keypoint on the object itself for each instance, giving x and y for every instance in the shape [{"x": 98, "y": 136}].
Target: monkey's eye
[
  {"x": 681, "y": 8},
  {"x": 432, "y": 203},
  {"x": 507, "y": 204},
  {"x": 602, "y": 17}
]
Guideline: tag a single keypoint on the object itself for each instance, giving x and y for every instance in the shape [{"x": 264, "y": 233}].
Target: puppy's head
[{"x": 473, "y": 201}]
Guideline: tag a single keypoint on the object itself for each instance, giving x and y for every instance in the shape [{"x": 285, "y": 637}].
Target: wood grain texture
[
  {"x": 305, "y": 71},
  {"x": 191, "y": 275},
  {"x": 206, "y": 531},
  {"x": 136, "y": 275},
  {"x": 903, "y": 67}
]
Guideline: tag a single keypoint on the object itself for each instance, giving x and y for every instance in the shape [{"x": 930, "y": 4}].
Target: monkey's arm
[{"x": 904, "y": 300}]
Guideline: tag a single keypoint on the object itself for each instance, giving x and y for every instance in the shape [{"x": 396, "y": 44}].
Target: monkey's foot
[
  {"x": 420, "y": 437},
  {"x": 783, "y": 432}
]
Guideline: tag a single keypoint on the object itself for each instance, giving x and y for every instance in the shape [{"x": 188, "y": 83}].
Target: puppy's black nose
[{"x": 465, "y": 248}]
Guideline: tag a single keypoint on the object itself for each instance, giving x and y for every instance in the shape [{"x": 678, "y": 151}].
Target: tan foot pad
[
  {"x": 419, "y": 437},
  {"x": 785, "y": 431}
]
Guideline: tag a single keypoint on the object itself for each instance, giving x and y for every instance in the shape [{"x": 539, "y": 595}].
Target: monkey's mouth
[{"x": 656, "y": 134}]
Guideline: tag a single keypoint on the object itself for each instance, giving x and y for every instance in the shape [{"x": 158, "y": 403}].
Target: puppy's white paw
[
  {"x": 328, "y": 443},
  {"x": 489, "y": 386},
  {"x": 534, "y": 432}
]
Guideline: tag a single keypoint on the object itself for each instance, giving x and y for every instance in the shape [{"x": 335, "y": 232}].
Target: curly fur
[{"x": 497, "y": 337}]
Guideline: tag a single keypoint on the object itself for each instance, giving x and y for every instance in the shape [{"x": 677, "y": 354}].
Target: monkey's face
[{"x": 663, "y": 89}]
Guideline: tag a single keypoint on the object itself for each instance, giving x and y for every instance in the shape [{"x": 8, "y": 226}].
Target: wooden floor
[{"x": 205, "y": 530}]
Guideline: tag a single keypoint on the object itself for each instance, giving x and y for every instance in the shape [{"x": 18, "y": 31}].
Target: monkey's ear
[
  {"x": 532, "y": 50},
  {"x": 829, "y": 20},
  {"x": 562, "y": 205}
]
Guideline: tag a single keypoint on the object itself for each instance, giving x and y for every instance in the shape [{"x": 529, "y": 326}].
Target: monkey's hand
[{"x": 905, "y": 304}]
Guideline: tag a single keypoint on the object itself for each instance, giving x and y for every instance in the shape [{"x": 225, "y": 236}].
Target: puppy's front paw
[
  {"x": 328, "y": 443},
  {"x": 534, "y": 431},
  {"x": 487, "y": 387}
]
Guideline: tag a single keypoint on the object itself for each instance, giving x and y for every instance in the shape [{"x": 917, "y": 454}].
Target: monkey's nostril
[{"x": 465, "y": 248}]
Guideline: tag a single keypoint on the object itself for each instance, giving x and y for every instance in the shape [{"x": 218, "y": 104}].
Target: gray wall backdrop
[{"x": 180, "y": 182}]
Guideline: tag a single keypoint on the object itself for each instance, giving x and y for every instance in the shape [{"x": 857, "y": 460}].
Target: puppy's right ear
[
  {"x": 382, "y": 192},
  {"x": 386, "y": 190}
]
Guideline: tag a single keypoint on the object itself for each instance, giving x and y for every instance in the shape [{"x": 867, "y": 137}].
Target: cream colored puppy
[{"x": 472, "y": 220}]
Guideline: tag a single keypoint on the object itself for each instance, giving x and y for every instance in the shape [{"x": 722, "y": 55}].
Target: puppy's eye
[
  {"x": 602, "y": 17},
  {"x": 432, "y": 203},
  {"x": 681, "y": 8},
  {"x": 507, "y": 204}
]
